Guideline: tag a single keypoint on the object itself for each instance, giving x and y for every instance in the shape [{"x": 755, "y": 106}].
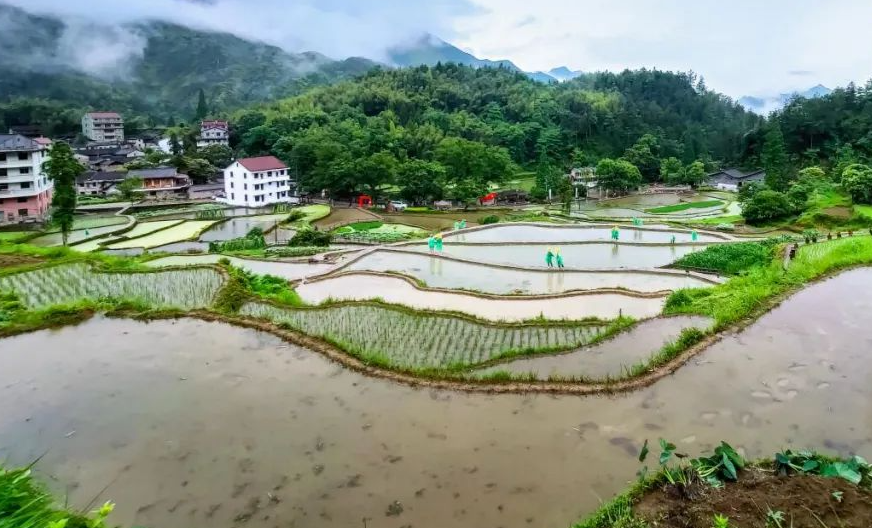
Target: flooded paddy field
[
  {"x": 287, "y": 270},
  {"x": 395, "y": 290},
  {"x": 609, "y": 358},
  {"x": 240, "y": 226},
  {"x": 187, "y": 423},
  {"x": 589, "y": 256},
  {"x": 448, "y": 273},
  {"x": 551, "y": 234}
]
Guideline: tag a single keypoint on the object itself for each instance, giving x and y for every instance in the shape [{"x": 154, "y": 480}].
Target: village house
[
  {"x": 734, "y": 179},
  {"x": 103, "y": 126},
  {"x": 213, "y": 133},
  {"x": 255, "y": 182},
  {"x": 162, "y": 182},
  {"x": 25, "y": 191},
  {"x": 98, "y": 183}
]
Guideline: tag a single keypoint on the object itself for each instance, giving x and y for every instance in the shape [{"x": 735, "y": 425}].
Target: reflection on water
[
  {"x": 187, "y": 423},
  {"x": 609, "y": 358},
  {"x": 455, "y": 274},
  {"x": 587, "y": 256},
  {"x": 542, "y": 233}
]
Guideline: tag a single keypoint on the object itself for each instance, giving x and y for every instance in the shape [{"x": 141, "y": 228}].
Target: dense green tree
[
  {"x": 202, "y": 107},
  {"x": 617, "y": 176},
  {"x": 766, "y": 205},
  {"x": 643, "y": 154},
  {"x": 175, "y": 146},
  {"x": 421, "y": 182},
  {"x": 199, "y": 170},
  {"x": 672, "y": 171},
  {"x": 774, "y": 159},
  {"x": 695, "y": 174},
  {"x": 814, "y": 173},
  {"x": 857, "y": 181},
  {"x": 62, "y": 168},
  {"x": 375, "y": 172},
  {"x": 128, "y": 187},
  {"x": 218, "y": 155}
]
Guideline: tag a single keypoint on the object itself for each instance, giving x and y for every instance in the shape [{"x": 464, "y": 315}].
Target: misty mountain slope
[
  {"x": 430, "y": 50},
  {"x": 764, "y": 105},
  {"x": 152, "y": 68}
]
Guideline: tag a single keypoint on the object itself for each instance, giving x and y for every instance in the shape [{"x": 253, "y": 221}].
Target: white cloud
[{"x": 739, "y": 46}]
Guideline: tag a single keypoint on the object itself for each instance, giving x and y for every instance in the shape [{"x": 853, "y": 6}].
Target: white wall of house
[
  {"x": 213, "y": 136},
  {"x": 256, "y": 189}
]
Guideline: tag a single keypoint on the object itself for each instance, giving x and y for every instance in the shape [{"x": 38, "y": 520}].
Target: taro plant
[
  {"x": 855, "y": 469},
  {"x": 721, "y": 466}
]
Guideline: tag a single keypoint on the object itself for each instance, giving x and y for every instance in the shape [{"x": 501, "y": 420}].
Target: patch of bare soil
[
  {"x": 10, "y": 261},
  {"x": 838, "y": 212},
  {"x": 806, "y": 501}
]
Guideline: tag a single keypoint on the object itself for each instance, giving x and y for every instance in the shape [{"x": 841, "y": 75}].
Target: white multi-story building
[
  {"x": 103, "y": 126},
  {"x": 25, "y": 191},
  {"x": 213, "y": 133},
  {"x": 255, "y": 182}
]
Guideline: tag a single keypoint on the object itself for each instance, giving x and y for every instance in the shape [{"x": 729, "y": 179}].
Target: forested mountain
[
  {"x": 829, "y": 130},
  {"x": 463, "y": 127},
  {"x": 430, "y": 50},
  {"x": 764, "y": 105},
  {"x": 150, "y": 69}
]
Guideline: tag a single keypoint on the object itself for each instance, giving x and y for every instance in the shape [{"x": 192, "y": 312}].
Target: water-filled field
[
  {"x": 395, "y": 290},
  {"x": 69, "y": 283},
  {"x": 56, "y": 239},
  {"x": 184, "y": 231},
  {"x": 612, "y": 357},
  {"x": 422, "y": 341},
  {"x": 549, "y": 234},
  {"x": 287, "y": 270},
  {"x": 240, "y": 226},
  {"x": 447, "y": 273},
  {"x": 185, "y": 423},
  {"x": 587, "y": 256}
]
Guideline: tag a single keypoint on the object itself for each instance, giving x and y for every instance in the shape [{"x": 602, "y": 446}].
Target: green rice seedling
[
  {"x": 423, "y": 341},
  {"x": 65, "y": 284}
]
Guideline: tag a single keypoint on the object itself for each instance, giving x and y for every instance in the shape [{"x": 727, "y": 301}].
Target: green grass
[
  {"x": 863, "y": 210},
  {"x": 12, "y": 236},
  {"x": 728, "y": 259},
  {"x": 744, "y": 295},
  {"x": 684, "y": 207},
  {"x": 24, "y": 503}
]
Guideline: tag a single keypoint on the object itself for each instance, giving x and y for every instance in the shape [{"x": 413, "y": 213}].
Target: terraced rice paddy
[
  {"x": 549, "y": 234},
  {"x": 240, "y": 226},
  {"x": 585, "y": 256},
  {"x": 395, "y": 290},
  {"x": 186, "y": 230},
  {"x": 287, "y": 270},
  {"x": 56, "y": 239},
  {"x": 447, "y": 273},
  {"x": 186, "y": 289},
  {"x": 421, "y": 341},
  {"x": 610, "y": 358}
]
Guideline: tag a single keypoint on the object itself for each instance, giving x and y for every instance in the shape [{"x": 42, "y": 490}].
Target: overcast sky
[{"x": 741, "y": 47}]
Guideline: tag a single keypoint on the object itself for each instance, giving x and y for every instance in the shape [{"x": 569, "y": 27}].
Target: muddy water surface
[
  {"x": 201, "y": 424},
  {"x": 547, "y": 234}
]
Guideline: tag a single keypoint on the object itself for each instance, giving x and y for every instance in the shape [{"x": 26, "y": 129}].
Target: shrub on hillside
[{"x": 311, "y": 237}]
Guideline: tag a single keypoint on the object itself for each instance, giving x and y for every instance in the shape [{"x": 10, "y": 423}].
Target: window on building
[
  {"x": 2, "y": 156},
  {"x": 22, "y": 199},
  {"x": 3, "y": 172},
  {"x": 231, "y": 185},
  {"x": 23, "y": 156},
  {"x": 24, "y": 170},
  {"x": 231, "y": 174},
  {"x": 245, "y": 186},
  {"x": 246, "y": 197},
  {"x": 4, "y": 186},
  {"x": 25, "y": 185},
  {"x": 22, "y": 212},
  {"x": 232, "y": 196}
]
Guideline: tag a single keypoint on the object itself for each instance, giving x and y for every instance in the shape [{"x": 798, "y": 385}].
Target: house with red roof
[
  {"x": 103, "y": 126},
  {"x": 214, "y": 132},
  {"x": 257, "y": 182}
]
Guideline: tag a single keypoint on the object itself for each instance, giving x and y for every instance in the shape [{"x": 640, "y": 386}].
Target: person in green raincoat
[
  {"x": 549, "y": 258},
  {"x": 439, "y": 242},
  {"x": 694, "y": 235},
  {"x": 431, "y": 243},
  {"x": 559, "y": 258},
  {"x": 616, "y": 234},
  {"x": 463, "y": 224},
  {"x": 672, "y": 240}
]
